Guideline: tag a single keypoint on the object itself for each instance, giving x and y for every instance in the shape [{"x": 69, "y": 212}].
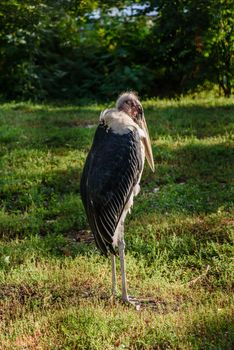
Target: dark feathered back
[{"x": 112, "y": 169}]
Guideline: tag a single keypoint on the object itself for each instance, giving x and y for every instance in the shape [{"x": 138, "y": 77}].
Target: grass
[{"x": 55, "y": 286}]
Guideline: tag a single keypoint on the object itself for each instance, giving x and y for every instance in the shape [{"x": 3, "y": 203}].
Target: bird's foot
[
  {"x": 130, "y": 300},
  {"x": 141, "y": 304}
]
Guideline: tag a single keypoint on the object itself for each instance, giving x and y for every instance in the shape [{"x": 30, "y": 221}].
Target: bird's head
[{"x": 129, "y": 103}]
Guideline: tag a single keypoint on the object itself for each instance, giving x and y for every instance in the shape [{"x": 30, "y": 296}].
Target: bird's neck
[{"x": 118, "y": 122}]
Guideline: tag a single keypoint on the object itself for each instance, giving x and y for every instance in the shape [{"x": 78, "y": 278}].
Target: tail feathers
[
  {"x": 104, "y": 239},
  {"x": 101, "y": 242},
  {"x": 103, "y": 245}
]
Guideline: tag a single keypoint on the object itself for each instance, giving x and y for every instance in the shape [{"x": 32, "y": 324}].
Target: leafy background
[{"x": 68, "y": 49}]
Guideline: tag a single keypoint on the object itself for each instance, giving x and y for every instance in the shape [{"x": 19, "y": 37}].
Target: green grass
[{"x": 55, "y": 286}]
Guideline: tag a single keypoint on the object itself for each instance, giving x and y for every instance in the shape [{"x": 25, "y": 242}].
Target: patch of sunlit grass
[{"x": 55, "y": 286}]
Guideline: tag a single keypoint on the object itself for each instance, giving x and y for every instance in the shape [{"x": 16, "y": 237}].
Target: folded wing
[{"x": 111, "y": 171}]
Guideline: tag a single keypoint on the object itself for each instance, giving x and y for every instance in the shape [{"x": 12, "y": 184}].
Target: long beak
[{"x": 147, "y": 144}]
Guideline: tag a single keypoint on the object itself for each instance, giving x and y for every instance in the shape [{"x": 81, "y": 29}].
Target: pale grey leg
[
  {"x": 125, "y": 296},
  {"x": 121, "y": 244},
  {"x": 113, "y": 268}
]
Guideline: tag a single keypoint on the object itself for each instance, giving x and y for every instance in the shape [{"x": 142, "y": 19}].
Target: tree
[
  {"x": 69, "y": 49},
  {"x": 193, "y": 43},
  {"x": 219, "y": 45}
]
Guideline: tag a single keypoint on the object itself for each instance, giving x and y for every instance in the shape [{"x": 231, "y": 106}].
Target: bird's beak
[{"x": 147, "y": 144}]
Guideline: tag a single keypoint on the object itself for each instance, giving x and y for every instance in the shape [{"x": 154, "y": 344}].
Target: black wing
[{"x": 112, "y": 169}]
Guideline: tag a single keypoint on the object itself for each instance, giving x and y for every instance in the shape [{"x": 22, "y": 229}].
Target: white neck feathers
[{"x": 119, "y": 122}]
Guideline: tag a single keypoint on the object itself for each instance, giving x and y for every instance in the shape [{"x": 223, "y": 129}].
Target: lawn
[{"x": 55, "y": 286}]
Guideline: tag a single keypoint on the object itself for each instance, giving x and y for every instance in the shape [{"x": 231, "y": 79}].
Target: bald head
[{"x": 129, "y": 103}]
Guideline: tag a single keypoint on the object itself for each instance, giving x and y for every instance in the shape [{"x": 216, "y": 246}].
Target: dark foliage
[{"x": 57, "y": 49}]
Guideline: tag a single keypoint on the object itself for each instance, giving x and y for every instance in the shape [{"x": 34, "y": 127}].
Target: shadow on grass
[
  {"x": 198, "y": 121},
  {"x": 194, "y": 179},
  {"x": 67, "y": 127},
  {"x": 212, "y": 332}
]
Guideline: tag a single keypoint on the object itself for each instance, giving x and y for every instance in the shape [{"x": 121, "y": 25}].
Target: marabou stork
[{"x": 112, "y": 174}]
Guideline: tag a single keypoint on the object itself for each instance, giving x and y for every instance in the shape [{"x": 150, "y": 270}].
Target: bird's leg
[
  {"x": 125, "y": 296},
  {"x": 121, "y": 245},
  {"x": 113, "y": 268}
]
